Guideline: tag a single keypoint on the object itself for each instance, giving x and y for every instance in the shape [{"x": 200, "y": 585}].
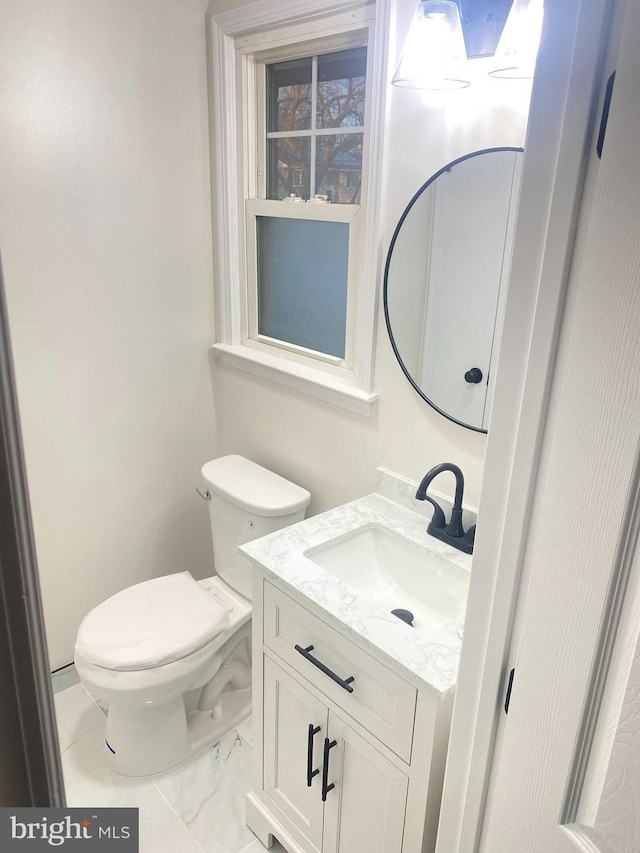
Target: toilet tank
[{"x": 247, "y": 501}]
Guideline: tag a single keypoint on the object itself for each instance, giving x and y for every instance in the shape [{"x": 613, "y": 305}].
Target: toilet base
[
  {"x": 162, "y": 716},
  {"x": 144, "y": 741},
  {"x": 144, "y": 738}
]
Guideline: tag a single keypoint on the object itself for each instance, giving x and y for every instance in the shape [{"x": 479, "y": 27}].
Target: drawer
[{"x": 370, "y": 692}]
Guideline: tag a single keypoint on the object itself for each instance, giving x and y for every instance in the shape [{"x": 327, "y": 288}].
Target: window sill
[{"x": 314, "y": 383}]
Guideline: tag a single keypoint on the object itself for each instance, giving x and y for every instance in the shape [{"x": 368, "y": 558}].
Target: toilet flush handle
[{"x": 206, "y": 496}]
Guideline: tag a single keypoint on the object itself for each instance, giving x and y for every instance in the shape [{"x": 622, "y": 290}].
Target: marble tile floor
[
  {"x": 197, "y": 807},
  {"x": 64, "y": 677}
]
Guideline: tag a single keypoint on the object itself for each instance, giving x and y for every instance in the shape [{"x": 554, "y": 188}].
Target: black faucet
[{"x": 452, "y": 533}]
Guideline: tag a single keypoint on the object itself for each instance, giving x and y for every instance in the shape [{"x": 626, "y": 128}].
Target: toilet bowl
[{"x": 171, "y": 657}]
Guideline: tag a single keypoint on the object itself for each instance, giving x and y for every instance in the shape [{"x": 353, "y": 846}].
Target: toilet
[{"x": 171, "y": 657}]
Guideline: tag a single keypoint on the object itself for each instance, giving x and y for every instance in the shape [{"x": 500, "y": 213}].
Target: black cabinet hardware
[
  {"x": 313, "y": 730},
  {"x": 473, "y": 376},
  {"x": 328, "y": 745},
  {"x": 345, "y": 683},
  {"x": 608, "y": 93},
  {"x": 507, "y": 700}
]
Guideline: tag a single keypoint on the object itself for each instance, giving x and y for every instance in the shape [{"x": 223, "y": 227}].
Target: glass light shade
[
  {"x": 434, "y": 55},
  {"x": 515, "y": 56}
]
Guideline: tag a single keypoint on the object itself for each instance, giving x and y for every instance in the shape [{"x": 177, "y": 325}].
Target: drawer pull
[
  {"x": 345, "y": 683},
  {"x": 313, "y": 730},
  {"x": 328, "y": 744}
]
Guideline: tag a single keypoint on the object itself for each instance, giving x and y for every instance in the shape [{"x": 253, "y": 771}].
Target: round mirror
[{"x": 445, "y": 282}]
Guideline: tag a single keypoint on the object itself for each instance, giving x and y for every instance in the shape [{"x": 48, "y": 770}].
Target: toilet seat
[{"x": 151, "y": 624}]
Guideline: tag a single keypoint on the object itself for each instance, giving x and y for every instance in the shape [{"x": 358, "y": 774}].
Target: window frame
[
  {"x": 254, "y": 87},
  {"x": 241, "y": 40},
  {"x": 347, "y": 214}
]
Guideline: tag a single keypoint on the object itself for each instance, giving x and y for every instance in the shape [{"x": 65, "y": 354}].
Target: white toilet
[{"x": 171, "y": 657}]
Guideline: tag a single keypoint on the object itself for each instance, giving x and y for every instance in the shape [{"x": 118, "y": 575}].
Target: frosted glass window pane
[{"x": 302, "y": 282}]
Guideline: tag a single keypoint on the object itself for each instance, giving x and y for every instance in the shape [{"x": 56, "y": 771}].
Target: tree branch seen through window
[{"x": 325, "y": 154}]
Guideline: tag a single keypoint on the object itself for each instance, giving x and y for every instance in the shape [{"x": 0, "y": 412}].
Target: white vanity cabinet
[
  {"x": 348, "y": 754},
  {"x": 333, "y": 785}
]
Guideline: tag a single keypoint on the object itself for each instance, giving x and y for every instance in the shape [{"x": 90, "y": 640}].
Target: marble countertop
[{"x": 421, "y": 659}]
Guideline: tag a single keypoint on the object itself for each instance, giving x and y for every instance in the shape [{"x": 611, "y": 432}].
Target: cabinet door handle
[
  {"x": 313, "y": 730},
  {"x": 473, "y": 376},
  {"x": 345, "y": 683},
  {"x": 328, "y": 744}
]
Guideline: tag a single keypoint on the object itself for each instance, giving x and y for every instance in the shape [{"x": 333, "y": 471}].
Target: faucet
[{"x": 452, "y": 533}]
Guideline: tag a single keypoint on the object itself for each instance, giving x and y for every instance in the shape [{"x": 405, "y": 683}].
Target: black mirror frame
[{"x": 396, "y": 232}]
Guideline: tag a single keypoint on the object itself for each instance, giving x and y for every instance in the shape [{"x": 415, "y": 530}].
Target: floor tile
[
  {"x": 76, "y": 715},
  {"x": 64, "y": 678},
  {"x": 162, "y": 831},
  {"x": 196, "y": 807},
  {"x": 88, "y": 781},
  {"x": 101, "y": 704},
  {"x": 257, "y": 847},
  {"x": 245, "y": 729},
  {"x": 208, "y": 793}
]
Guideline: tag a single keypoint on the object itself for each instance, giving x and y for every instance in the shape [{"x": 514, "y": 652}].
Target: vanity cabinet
[
  {"x": 348, "y": 754},
  {"x": 337, "y": 788}
]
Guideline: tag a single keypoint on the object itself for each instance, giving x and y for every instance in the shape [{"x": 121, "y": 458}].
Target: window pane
[
  {"x": 289, "y": 95},
  {"x": 341, "y": 88},
  {"x": 289, "y": 159},
  {"x": 302, "y": 282},
  {"x": 339, "y": 167}
]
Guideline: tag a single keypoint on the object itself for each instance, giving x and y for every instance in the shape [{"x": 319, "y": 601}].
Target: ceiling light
[
  {"x": 515, "y": 56},
  {"x": 433, "y": 55}
]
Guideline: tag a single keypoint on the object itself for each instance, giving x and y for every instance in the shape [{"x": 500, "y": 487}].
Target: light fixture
[
  {"x": 515, "y": 56},
  {"x": 433, "y": 55}
]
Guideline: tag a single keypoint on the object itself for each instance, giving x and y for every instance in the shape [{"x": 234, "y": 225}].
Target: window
[
  {"x": 300, "y": 249},
  {"x": 302, "y": 283},
  {"x": 315, "y": 126},
  {"x": 298, "y": 302}
]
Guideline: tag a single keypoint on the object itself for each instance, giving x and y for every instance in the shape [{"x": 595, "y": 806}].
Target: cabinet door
[
  {"x": 365, "y": 809},
  {"x": 291, "y": 750}
]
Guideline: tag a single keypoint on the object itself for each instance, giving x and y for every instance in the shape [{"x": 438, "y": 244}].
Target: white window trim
[
  {"x": 228, "y": 31},
  {"x": 347, "y": 214}
]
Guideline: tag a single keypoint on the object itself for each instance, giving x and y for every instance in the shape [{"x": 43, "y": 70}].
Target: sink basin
[{"x": 378, "y": 563}]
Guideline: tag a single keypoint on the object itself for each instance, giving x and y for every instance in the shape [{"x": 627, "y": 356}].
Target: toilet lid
[{"x": 150, "y": 624}]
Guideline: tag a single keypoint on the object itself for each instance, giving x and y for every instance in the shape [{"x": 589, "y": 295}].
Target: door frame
[
  {"x": 563, "y": 109},
  {"x": 32, "y": 770}
]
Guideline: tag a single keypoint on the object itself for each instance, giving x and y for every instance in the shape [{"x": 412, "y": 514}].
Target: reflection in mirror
[{"x": 446, "y": 278}]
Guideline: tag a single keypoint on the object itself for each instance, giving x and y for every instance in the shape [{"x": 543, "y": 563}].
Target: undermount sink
[{"x": 378, "y": 563}]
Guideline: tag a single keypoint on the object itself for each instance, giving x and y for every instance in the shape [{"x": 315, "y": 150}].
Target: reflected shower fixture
[
  {"x": 515, "y": 56},
  {"x": 434, "y": 54}
]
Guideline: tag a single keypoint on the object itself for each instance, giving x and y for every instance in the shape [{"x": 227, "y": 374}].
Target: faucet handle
[
  {"x": 438, "y": 521},
  {"x": 470, "y": 536}
]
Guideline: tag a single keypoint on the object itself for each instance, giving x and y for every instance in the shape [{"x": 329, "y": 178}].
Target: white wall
[
  {"x": 105, "y": 235},
  {"x": 329, "y": 451}
]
